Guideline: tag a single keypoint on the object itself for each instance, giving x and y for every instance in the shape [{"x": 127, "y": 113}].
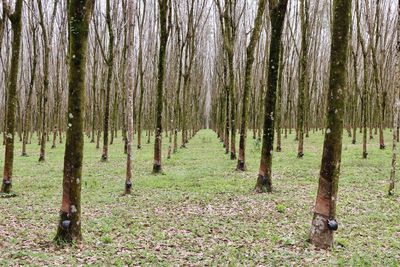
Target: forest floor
[{"x": 201, "y": 211}]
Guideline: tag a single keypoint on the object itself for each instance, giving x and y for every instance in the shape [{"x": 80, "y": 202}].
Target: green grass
[{"x": 201, "y": 212}]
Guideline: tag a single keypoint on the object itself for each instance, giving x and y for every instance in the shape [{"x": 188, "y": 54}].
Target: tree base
[
  {"x": 300, "y": 155},
  {"x": 241, "y": 166},
  {"x": 53, "y": 147},
  {"x": 6, "y": 187},
  {"x": 264, "y": 185},
  {"x": 365, "y": 155},
  {"x": 42, "y": 159},
  {"x": 24, "y": 154},
  {"x": 104, "y": 158},
  {"x": 233, "y": 156},
  {"x": 68, "y": 232},
  {"x": 157, "y": 169},
  {"x": 320, "y": 236},
  {"x": 139, "y": 147},
  {"x": 128, "y": 188},
  {"x": 382, "y": 146},
  {"x": 278, "y": 149},
  {"x": 354, "y": 142}
]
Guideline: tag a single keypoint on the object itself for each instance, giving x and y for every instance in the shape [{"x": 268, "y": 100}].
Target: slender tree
[
  {"x": 69, "y": 226},
  {"x": 15, "y": 19},
  {"x": 241, "y": 165},
  {"x": 34, "y": 61},
  {"x": 277, "y": 14},
  {"x": 163, "y": 12},
  {"x": 46, "y": 64},
  {"x": 109, "y": 59},
  {"x": 129, "y": 99},
  {"x": 303, "y": 86},
  {"x": 396, "y": 112},
  {"x": 324, "y": 222}
]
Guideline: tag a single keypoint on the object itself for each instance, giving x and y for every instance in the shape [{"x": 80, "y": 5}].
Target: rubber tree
[
  {"x": 33, "y": 63},
  {"x": 46, "y": 36},
  {"x": 228, "y": 23},
  {"x": 164, "y": 32},
  {"x": 303, "y": 86},
  {"x": 15, "y": 19},
  {"x": 396, "y": 112},
  {"x": 277, "y": 14},
  {"x": 324, "y": 221},
  {"x": 365, "y": 92},
  {"x": 241, "y": 165},
  {"x": 69, "y": 226},
  {"x": 141, "y": 21},
  {"x": 129, "y": 98},
  {"x": 109, "y": 59}
]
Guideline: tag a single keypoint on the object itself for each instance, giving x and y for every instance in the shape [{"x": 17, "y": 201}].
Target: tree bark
[
  {"x": 110, "y": 64},
  {"x": 396, "y": 112},
  {"x": 264, "y": 181},
  {"x": 163, "y": 9},
  {"x": 16, "y": 24},
  {"x": 129, "y": 99},
  {"x": 69, "y": 227},
  {"x": 241, "y": 165},
  {"x": 324, "y": 221},
  {"x": 303, "y": 86}
]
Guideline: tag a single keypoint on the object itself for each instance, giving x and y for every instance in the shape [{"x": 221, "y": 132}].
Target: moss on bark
[
  {"x": 69, "y": 227},
  {"x": 325, "y": 208}
]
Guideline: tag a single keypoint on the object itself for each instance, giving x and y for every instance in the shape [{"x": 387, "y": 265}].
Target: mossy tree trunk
[
  {"x": 94, "y": 90},
  {"x": 163, "y": 10},
  {"x": 46, "y": 79},
  {"x": 396, "y": 112},
  {"x": 324, "y": 221},
  {"x": 277, "y": 14},
  {"x": 229, "y": 31},
  {"x": 227, "y": 105},
  {"x": 69, "y": 226},
  {"x": 241, "y": 165},
  {"x": 303, "y": 86},
  {"x": 129, "y": 98},
  {"x": 16, "y": 24},
  {"x": 365, "y": 92},
  {"x": 110, "y": 63},
  {"x": 141, "y": 79},
  {"x": 27, "y": 118}
]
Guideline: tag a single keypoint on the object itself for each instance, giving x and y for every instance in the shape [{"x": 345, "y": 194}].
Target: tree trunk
[
  {"x": 264, "y": 181},
  {"x": 69, "y": 227},
  {"x": 241, "y": 165},
  {"x": 324, "y": 222},
  {"x": 110, "y": 64},
  {"x": 163, "y": 6},
  {"x": 129, "y": 99},
  {"x": 46, "y": 65},
  {"x": 279, "y": 103},
  {"x": 396, "y": 112},
  {"x": 303, "y": 86},
  {"x": 94, "y": 105},
  {"x": 15, "y": 19},
  {"x": 27, "y": 121}
]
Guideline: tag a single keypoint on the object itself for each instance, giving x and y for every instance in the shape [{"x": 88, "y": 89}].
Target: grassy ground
[{"x": 202, "y": 212}]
